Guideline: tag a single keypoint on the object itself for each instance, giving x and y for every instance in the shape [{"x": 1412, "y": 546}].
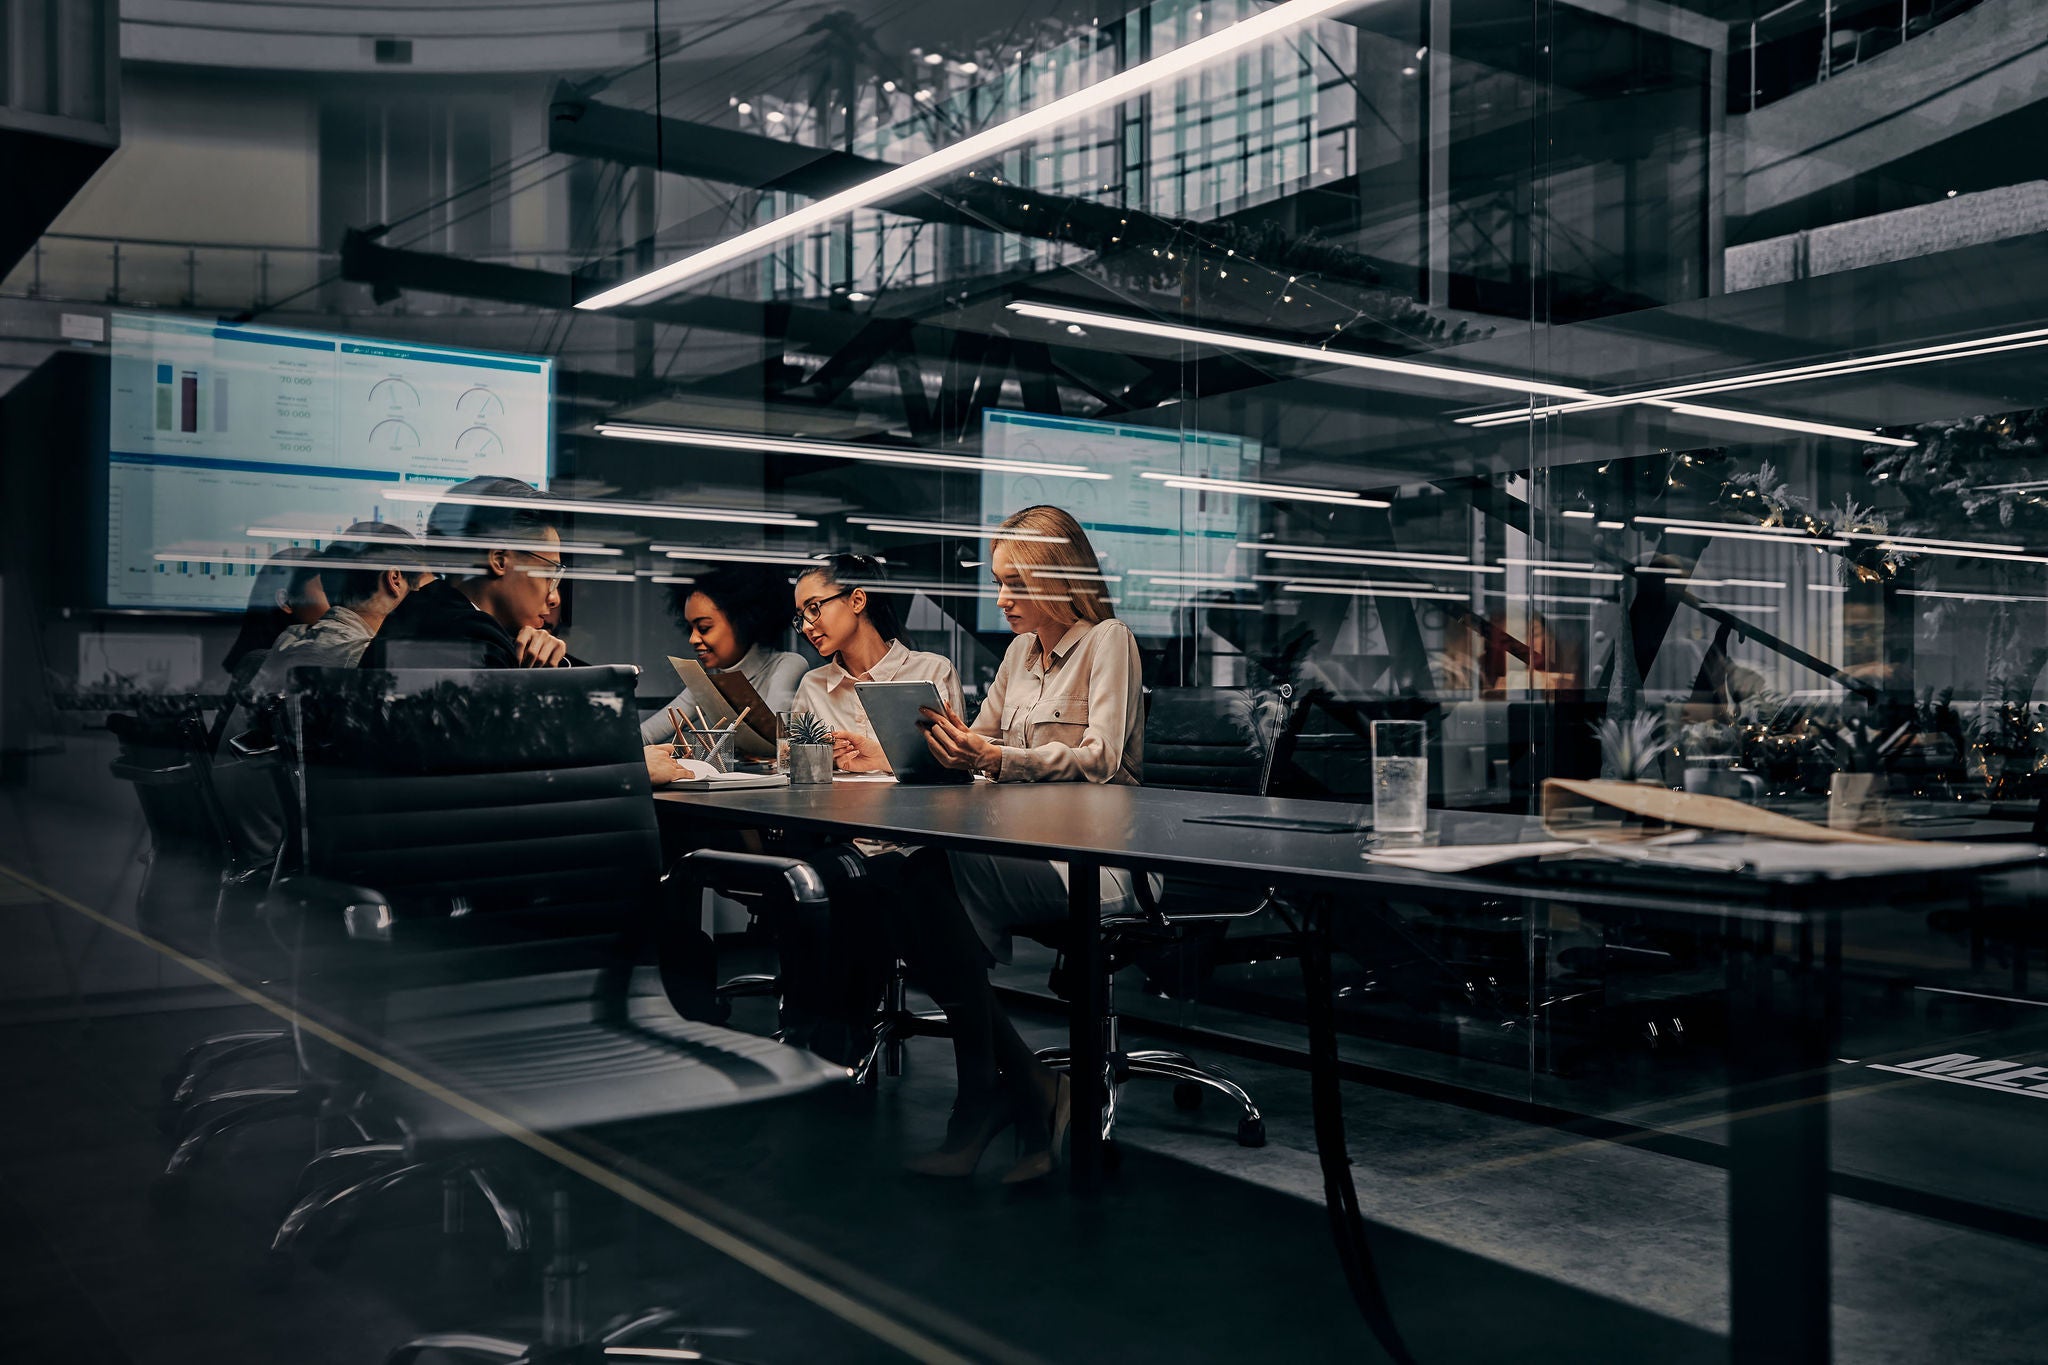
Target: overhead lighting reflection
[
  {"x": 1883, "y": 360},
  {"x": 1297, "y": 492},
  {"x": 712, "y": 552},
  {"x": 650, "y": 510},
  {"x": 1382, "y": 562},
  {"x": 943, "y": 528},
  {"x": 1237, "y": 341},
  {"x": 1723, "y": 531},
  {"x": 970, "y": 151},
  {"x": 1345, "y": 590},
  {"x": 1275, "y": 548},
  {"x": 1729, "y": 415},
  {"x": 401, "y": 538},
  {"x": 836, "y": 450}
]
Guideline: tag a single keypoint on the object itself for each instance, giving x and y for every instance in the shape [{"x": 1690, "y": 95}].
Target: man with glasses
[{"x": 495, "y": 616}]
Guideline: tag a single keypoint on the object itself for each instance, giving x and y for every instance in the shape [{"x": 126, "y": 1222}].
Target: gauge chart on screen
[
  {"x": 1156, "y": 543},
  {"x": 215, "y": 429}
]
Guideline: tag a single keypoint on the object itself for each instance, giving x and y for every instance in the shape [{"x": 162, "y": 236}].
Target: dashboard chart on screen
[
  {"x": 1159, "y": 546},
  {"x": 227, "y": 444}
]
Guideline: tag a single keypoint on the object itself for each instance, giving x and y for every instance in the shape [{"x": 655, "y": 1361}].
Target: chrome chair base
[
  {"x": 1190, "y": 1077},
  {"x": 208, "y": 1056},
  {"x": 652, "y": 1331}
]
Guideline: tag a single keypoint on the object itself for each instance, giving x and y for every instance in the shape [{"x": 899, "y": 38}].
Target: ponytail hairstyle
[
  {"x": 1056, "y": 559},
  {"x": 846, "y": 571}
]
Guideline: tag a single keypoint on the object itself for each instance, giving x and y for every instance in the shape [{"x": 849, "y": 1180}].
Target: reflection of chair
[
  {"x": 165, "y": 757},
  {"x": 480, "y": 859},
  {"x": 1196, "y": 739}
]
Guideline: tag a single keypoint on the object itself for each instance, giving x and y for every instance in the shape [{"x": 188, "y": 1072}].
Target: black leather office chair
[
  {"x": 480, "y": 858},
  {"x": 166, "y": 756},
  {"x": 1196, "y": 739}
]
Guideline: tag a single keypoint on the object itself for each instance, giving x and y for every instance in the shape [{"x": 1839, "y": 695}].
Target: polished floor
[{"x": 1496, "y": 1240}]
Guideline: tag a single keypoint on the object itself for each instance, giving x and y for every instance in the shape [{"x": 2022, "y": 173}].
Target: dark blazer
[{"x": 438, "y": 627}]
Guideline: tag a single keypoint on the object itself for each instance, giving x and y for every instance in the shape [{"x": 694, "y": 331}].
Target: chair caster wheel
[
  {"x": 1251, "y": 1132},
  {"x": 1187, "y": 1095}
]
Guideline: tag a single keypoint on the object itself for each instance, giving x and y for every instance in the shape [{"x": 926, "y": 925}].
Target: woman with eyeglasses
[
  {"x": 734, "y": 618},
  {"x": 1067, "y": 705},
  {"x": 856, "y": 630}
]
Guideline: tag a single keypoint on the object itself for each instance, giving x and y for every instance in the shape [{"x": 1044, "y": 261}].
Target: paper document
[{"x": 1465, "y": 857}]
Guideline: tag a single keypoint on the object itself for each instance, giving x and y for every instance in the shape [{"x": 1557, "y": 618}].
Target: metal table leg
[
  {"x": 1084, "y": 1025},
  {"x": 1779, "y": 1030}
]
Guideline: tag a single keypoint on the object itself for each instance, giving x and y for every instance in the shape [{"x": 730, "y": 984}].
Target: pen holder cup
[
  {"x": 713, "y": 748},
  {"x": 810, "y": 764}
]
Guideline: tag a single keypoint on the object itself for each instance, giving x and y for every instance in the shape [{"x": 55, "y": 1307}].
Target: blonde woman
[{"x": 1067, "y": 705}]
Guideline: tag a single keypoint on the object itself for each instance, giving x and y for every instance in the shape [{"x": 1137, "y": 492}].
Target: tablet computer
[
  {"x": 723, "y": 697},
  {"x": 895, "y": 711}
]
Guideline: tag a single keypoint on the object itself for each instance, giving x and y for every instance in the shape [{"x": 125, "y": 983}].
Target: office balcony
[{"x": 1944, "y": 111}]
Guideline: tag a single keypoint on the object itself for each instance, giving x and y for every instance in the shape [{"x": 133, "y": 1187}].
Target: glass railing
[{"x": 1804, "y": 42}]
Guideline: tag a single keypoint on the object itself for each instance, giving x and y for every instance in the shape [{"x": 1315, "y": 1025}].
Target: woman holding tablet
[
  {"x": 1066, "y": 705},
  {"x": 733, "y": 616},
  {"x": 860, "y": 638}
]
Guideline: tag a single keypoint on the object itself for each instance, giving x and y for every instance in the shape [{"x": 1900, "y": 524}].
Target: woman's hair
[
  {"x": 1058, "y": 560},
  {"x": 264, "y": 620},
  {"x": 754, "y": 600},
  {"x": 845, "y": 572}
]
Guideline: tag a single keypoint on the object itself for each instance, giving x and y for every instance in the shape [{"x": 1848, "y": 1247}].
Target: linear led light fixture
[
  {"x": 1730, "y": 415},
  {"x": 672, "y": 579},
  {"x": 1827, "y": 369},
  {"x": 1611, "y": 525},
  {"x": 1594, "y": 575},
  {"x": 708, "y": 552},
  {"x": 1825, "y": 587},
  {"x": 1771, "y": 584},
  {"x": 1274, "y": 547},
  {"x": 1578, "y": 514},
  {"x": 835, "y": 450},
  {"x": 1942, "y": 551},
  {"x": 1335, "y": 590},
  {"x": 1420, "y": 565},
  {"x": 970, "y": 151},
  {"x": 952, "y": 529},
  {"x": 1298, "y": 492},
  {"x": 1290, "y": 350},
  {"x": 1969, "y": 596},
  {"x": 1220, "y": 584},
  {"x": 1721, "y": 530},
  {"x": 651, "y": 510},
  {"x": 1548, "y": 563},
  {"x": 445, "y": 570},
  {"x": 1089, "y": 575},
  {"x": 582, "y": 575},
  {"x": 288, "y": 533}
]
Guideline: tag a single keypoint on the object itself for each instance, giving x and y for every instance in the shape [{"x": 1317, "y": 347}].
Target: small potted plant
[
  {"x": 810, "y": 750},
  {"x": 1632, "y": 749}
]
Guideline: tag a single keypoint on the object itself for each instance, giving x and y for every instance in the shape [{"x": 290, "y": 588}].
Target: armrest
[
  {"x": 254, "y": 744},
  {"x": 362, "y": 913}
]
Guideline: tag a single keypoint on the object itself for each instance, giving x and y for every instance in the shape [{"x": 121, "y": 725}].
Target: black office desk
[{"x": 1778, "y": 1148}]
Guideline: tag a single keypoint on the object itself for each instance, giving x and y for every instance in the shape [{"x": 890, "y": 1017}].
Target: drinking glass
[{"x": 1400, "y": 780}]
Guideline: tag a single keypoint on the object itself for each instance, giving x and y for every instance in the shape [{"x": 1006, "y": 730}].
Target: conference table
[{"x": 1782, "y": 1017}]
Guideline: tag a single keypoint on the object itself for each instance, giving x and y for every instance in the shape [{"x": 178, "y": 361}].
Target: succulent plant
[
  {"x": 806, "y": 728},
  {"x": 1633, "y": 748}
]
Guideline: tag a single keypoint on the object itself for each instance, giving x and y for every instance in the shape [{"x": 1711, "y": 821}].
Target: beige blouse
[
  {"x": 1076, "y": 715},
  {"x": 828, "y": 692}
]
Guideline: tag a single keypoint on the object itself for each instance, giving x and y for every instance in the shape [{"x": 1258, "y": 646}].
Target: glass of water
[{"x": 1400, "y": 781}]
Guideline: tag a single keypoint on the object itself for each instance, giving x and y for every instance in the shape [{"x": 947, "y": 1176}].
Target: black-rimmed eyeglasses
[{"x": 808, "y": 612}]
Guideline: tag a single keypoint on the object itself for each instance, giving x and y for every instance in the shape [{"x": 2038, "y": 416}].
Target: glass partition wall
[{"x": 1502, "y": 364}]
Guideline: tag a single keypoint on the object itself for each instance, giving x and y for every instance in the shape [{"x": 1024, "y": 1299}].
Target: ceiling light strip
[
  {"x": 970, "y": 151},
  {"x": 401, "y": 538},
  {"x": 836, "y": 450},
  {"x": 651, "y": 511},
  {"x": 1291, "y": 350}
]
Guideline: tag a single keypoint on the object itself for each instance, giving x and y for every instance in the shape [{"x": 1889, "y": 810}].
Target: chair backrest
[
  {"x": 1213, "y": 738},
  {"x": 477, "y": 791},
  {"x": 164, "y": 756}
]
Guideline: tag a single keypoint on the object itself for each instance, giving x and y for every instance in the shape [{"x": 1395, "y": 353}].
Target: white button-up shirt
[
  {"x": 829, "y": 694},
  {"x": 1074, "y": 715}
]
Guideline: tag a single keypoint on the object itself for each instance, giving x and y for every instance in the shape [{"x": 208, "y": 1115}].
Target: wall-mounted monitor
[
  {"x": 226, "y": 444},
  {"x": 1159, "y": 545}
]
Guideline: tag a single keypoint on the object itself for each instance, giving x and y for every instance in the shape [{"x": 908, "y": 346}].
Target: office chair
[
  {"x": 1196, "y": 739},
  {"x": 166, "y": 756},
  {"x": 773, "y": 887},
  {"x": 480, "y": 859}
]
